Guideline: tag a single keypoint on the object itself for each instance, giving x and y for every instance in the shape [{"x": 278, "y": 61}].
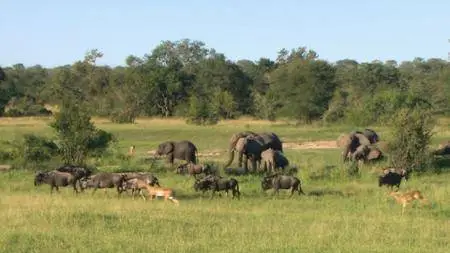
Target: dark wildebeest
[
  {"x": 278, "y": 182},
  {"x": 55, "y": 179},
  {"x": 217, "y": 184},
  {"x": 78, "y": 172},
  {"x": 194, "y": 169},
  {"x": 392, "y": 177},
  {"x": 106, "y": 180},
  {"x": 149, "y": 178}
]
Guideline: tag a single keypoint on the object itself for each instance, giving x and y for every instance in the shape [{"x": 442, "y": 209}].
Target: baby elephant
[
  {"x": 55, "y": 179},
  {"x": 278, "y": 182},
  {"x": 273, "y": 159}
]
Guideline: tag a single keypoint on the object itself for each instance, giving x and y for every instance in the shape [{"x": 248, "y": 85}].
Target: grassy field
[{"x": 338, "y": 213}]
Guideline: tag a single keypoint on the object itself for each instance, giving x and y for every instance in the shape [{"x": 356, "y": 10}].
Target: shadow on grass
[{"x": 441, "y": 163}]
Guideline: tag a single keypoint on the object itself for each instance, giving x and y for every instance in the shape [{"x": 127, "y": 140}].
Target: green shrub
[{"x": 412, "y": 132}]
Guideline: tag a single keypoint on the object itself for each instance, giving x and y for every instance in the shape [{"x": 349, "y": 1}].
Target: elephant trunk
[{"x": 231, "y": 157}]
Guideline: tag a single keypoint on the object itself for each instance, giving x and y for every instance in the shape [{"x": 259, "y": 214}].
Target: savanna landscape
[
  {"x": 88, "y": 115},
  {"x": 337, "y": 214}
]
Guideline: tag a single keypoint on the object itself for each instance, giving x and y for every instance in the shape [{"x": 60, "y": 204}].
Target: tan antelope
[
  {"x": 131, "y": 151},
  {"x": 408, "y": 197},
  {"x": 139, "y": 185}
]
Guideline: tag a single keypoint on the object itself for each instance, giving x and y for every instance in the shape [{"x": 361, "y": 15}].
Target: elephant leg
[
  {"x": 170, "y": 158},
  {"x": 240, "y": 156},
  {"x": 254, "y": 166},
  {"x": 246, "y": 164}
]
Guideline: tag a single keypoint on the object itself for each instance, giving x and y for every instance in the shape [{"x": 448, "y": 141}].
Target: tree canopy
[{"x": 185, "y": 78}]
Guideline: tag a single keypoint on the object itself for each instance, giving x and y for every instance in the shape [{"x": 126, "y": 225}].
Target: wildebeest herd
[{"x": 264, "y": 150}]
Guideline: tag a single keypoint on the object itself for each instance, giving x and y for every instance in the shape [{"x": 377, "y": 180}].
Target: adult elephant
[
  {"x": 268, "y": 140},
  {"x": 350, "y": 142},
  {"x": 182, "y": 150},
  {"x": 371, "y": 135},
  {"x": 251, "y": 148}
]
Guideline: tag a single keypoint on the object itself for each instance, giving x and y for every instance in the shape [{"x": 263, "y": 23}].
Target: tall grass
[{"x": 338, "y": 214}]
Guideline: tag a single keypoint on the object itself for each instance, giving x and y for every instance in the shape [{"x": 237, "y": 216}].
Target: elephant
[
  {"x": 371, "y": 135},
  {"x": 251, "y": 148},
  {"x": 266, "y": 139},
  {"x": 361, "y": 153},
  {"x": 273, "y": 159},
  {"x": 182, "y": 150},
  {"x": 350, "y": 142},
  {"x": 374, "y": 154}
]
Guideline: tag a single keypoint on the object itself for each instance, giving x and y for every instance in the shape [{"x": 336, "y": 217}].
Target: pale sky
[{"x": 51, "y": 33}]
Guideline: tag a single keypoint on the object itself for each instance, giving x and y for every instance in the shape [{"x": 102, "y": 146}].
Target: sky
[{"x": 52, "y": 33}]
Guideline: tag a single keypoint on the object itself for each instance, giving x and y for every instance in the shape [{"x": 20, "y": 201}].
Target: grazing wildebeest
[
  {"x": 149, "y": 178},
  {"x": 392, "y": 177},
  {"x": 132, "y": 178},
  {"x": 78, "y": 172},
  {"x": 278, "y": 182},
  {"x": 217, "y": 184},
  {"x": 106, "y": 180},
  {"x": 55, "y": 179},
  {"x": 136, "y": 184},
  {"x": 194, "y": 169}
]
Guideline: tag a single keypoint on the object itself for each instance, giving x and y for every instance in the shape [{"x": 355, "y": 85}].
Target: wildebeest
[
  {"x": 77, "y": 171},
  {"x": 277, "y": 182},
  {"x": 217, "y": 184},
  {"x": 392, "y": 177},
  {"x": 149, "y": 178},
  {"x": 55, "y": 179},
  {"x": 132, "y": 177},
  {"x": 136, "y": 184},
  {"x": 106, "y": 180},
  {"x": 194, "y": 169}
]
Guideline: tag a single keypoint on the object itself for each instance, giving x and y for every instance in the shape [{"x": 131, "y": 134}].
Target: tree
[
  {"x": 412, "y": 131},
  {"x": 303, "y": 88},
  {"x": 76, "y": 132}
]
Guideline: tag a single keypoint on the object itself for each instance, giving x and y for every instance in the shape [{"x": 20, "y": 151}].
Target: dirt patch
[
  {"x": 286, "y": 145},
  {"x": 311, "y": 145},
  {"x": 208, "y": 153},
  {"x": 4, "y": 167}
]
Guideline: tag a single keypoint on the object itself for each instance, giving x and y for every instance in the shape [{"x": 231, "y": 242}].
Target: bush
[
  {"x": 78, "y": 136},
  {"x": 34, "y": 151},
  {"x": 412, "y": 131},
  {"x": 201, "y": 112}
]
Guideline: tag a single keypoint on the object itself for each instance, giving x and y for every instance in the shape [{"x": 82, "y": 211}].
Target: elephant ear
[
  {"x": 342, "y": 140},
  {"x": 169, "y": 147},
  {"x": 362, "y": 139}
]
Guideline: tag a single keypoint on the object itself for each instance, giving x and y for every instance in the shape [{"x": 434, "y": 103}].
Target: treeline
[{"x": 185, "y": 78}]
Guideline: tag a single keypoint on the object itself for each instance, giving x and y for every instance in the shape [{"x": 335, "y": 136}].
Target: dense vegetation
[{"x": 185, "y": 78}]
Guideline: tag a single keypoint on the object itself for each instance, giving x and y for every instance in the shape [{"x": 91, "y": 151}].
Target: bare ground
[{"x": 286, "y": 145}]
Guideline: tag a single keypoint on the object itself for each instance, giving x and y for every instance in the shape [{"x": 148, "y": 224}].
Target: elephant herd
[{"x": 265, "y": 151}]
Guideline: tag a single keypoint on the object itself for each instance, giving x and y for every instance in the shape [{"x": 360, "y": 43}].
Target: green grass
[{"x": 338, "y": 214}]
